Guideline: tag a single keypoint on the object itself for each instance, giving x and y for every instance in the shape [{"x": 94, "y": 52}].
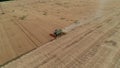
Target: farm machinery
[{"x": 57, "y": 33}]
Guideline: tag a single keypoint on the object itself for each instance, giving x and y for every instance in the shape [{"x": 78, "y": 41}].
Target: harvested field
[
  {"x": 27, "y": 24},
  {"x": 25, "y": 27}
]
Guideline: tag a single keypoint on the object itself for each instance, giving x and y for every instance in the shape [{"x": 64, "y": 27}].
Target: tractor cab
[{"x": 58, "y": 32}]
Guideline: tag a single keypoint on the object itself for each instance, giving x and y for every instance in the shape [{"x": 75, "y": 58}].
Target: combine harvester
[{"x": 57, "y": 33}]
